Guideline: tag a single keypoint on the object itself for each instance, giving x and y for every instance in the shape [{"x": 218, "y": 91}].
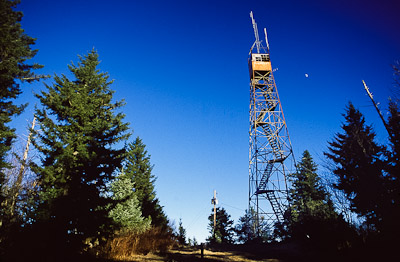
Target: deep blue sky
[{"x": 181, "y": 66}]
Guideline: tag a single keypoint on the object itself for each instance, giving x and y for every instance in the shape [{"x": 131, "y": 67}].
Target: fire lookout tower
[{"x": 270, "y": 152}]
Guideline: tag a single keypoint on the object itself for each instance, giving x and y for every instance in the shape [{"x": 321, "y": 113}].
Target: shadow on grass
[
  {"x": 194, "y": 255},
  {"x": 218, "y": 253},
  {"x": 277, "y": 252}
]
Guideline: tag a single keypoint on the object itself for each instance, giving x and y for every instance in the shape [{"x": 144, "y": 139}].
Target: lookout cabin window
[
  {"x": 260, "y": 57},
  {"x": 264, "y": 58}
]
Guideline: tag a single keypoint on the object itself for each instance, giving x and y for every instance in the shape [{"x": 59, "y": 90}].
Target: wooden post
[{"x": 214, "y": 201}]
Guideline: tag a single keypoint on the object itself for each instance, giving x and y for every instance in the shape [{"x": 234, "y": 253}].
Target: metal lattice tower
[{"x": 270, "y": 152}]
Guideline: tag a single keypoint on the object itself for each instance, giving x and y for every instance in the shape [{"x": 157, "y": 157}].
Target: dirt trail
[{"x": 223, "y": 254}]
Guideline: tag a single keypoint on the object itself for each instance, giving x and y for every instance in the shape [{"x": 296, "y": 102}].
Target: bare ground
[{"x": 223, "y": 254}]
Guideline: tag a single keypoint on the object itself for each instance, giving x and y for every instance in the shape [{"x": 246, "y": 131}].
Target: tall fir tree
[
  {"x": 394, "y": 137},
  {"x": 359, "y": 166},
  {"x": 80, "y": 130},
  {"x": 313, "y": 215},
  {"x": 182, "y": 234},
  {"x": 311, "y": 219},
  {"x": 396, "y": 76},
  {"x": 392, "y": 179},
  {"x": 127, "y": 213},
  {"x": 137, "y": 166},
  {"x": 245, "y": 228},
  {"x": 394, "y": 142},
  {"x": 223, "y": 232},
  {"x": 392, "y": 214},
  {"x": 15, "y": 50}
]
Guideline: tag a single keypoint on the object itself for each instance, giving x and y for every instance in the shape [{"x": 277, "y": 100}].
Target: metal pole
[{"x": 257, "y": 42}]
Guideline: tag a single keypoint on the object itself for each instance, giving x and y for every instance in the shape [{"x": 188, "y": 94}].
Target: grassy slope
[{"x": 271, "y": 253}]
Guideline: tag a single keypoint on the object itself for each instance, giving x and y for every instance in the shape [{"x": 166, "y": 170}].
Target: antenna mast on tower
[
  {"x": 270, "y": 152},
  {"x": 257, "y": 42}
]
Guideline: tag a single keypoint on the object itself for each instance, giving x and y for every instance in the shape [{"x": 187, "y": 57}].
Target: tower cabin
[{"x": 259, "y": 63}]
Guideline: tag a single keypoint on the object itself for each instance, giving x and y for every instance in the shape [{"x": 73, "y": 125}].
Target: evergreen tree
[
  {"x": 391, "y": 216},
  {"x": 127, "y": 214},
  {"x": 394, "y": 140},
  {"x": 313, "y": 215},
  {"x": 182, "y": 234},
  {"x": 391, "y": 208},
  {"x": 311, "y": 218},
  {"x": 194, "y": 242},
  {"x": 245, "y": 229},
  {"x": 358, "y": 166},
  {"x": 15, "y": 50},
  {"x": 223, "y": 232},
  {"x": 79, "y": 132},
  {"x": 138, "y": 168},
  {"x": 396, "y": 76}
]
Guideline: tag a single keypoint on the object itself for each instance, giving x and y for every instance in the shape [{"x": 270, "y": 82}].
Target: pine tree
[
  {"x": 312, "y": 211},
  {"x": 138, "y": 168},
  {"x": 15, "y": 50},
  {"x": 194, "y": 242},
  {"x": 396, "y": 76},
  {"x": 182, "y": 234},
  {"x": 126, "y": 213},
  {"x": 311, "y": 218},
  {"x": 394, "y": 139},
  {"x": 80, "y": 128},
  {"x": 394, "y": 143},
  {"x": 245, "y": 228},
  {"x": 224, "y": 227},
  {"x": 391, "y": 209},
  {"x": 358, "y": 166},
  {"x": 394, "y": 128}
]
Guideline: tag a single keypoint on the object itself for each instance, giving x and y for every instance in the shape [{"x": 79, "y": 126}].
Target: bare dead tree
[{"x": 20, "y": 183}]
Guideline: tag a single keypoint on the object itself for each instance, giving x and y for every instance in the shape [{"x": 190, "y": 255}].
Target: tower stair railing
[
  {"x": 267, "y": 93},
  {"x": 273, "y": 141},
  {"x": 275, "y": 205},
  {"x": 266, "y": 175}
]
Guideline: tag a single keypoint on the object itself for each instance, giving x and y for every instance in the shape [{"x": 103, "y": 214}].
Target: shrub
[{"x": 127, "y": 244}]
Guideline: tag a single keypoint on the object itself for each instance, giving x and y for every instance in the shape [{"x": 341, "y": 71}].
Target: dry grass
[
  {"x": 139, "y": 258},
  {"x": 157, "y": 245},
  {"x": 212, "y": 256},
  {"x": 192, "y": 255},
  {"x": 131, "y": 246}
]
